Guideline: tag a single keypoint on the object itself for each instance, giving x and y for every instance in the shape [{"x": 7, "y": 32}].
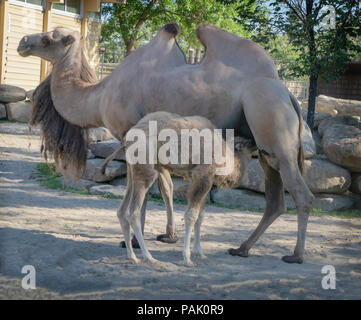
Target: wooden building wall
[{"x": 18, "y": 20}]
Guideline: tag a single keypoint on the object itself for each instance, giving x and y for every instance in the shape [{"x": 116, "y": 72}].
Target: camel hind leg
[
  {"x": 303, "y": 198},
  {"x": 199, "y": 187},
  {"x": 276, "y": 123},
  {"x": 275, "y": 206},
  {"x": 165, "y": 185},
  {"x": 122, "y": 213}
]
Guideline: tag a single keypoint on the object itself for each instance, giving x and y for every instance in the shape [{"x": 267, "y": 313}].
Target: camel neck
[{"x": 74, "y": 91}]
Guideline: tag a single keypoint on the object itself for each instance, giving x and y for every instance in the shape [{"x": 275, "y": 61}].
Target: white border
[{"x": 27, "y": 5}]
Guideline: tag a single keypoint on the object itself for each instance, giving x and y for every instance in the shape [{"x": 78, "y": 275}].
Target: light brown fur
[
  {"x": 235, "y": 86},
  {"x": 202, "y": 176}
]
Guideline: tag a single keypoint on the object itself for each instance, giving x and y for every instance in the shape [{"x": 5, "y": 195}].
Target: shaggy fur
[{"x": 65, "y": 142}]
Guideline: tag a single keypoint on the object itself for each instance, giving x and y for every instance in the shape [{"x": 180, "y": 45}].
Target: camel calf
[{"x": 202, "y": 176}]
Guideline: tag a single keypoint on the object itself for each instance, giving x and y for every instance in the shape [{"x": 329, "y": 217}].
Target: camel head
[{"x": 51, "y": 46}]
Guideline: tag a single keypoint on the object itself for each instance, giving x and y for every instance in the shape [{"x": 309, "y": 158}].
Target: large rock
[
  {"x": 99, "y": 134},
  {"x": 2, "y": 111},
  {"x": 252, "y": 200},
  {"x": 10, "y": 93},
  {"x": 342, "y": 120},
  {"x": 19, "y": 111},
  {"x": 108, "y": 190},
  {"x": 80, "y": 185},
  {"x": 344, "y": 107},
  {"x": 309, "y": 146},
  {"x": 321, "y": 176},
  {"x": 105, "y": 148},
  {"x": 317, "y": 119},
  {"x": 180, "y": 188},
  {"x": 238, "y": 198},
  {"x": 342, "y": 145},
  {"x": 114, "y": 169},
  {"x": 356, "y": 183}
]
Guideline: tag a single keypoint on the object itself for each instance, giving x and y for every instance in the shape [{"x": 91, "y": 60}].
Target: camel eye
[{"x": 46, "y": 41}]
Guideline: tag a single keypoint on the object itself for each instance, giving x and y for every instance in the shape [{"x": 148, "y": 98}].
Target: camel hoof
[
  {"x": 292, "y": 259},
  {"x": 199, "y": 255},
  {"x": 154, "y": 263},
  {"x": 189, "y": 263},
  {"x": 135, "y": 244},
  {"x": 166, "y": 238},
  {"x": 238, "y": 252},
  {"x": 133, "y": 260}
]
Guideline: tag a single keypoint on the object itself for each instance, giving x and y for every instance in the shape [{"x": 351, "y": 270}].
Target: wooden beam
[
  {"x": 46, "y": 25},
  {"x": 4, "y": 7}
]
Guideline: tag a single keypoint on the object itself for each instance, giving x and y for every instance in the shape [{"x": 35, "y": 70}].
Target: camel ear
[{"x": 68, "y": 40}]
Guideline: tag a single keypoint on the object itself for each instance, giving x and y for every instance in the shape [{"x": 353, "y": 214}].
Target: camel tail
[
  {"x": 301, "y": 156},
  {"x": 111, "y": 158}
]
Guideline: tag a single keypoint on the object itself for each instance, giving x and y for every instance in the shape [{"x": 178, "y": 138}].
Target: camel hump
[
  {"x": 210, "y": 35},
  {"x": 172, "y": 28}
]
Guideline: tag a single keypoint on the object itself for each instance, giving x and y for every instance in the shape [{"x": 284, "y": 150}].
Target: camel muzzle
[{"x": 24, "y": 47}]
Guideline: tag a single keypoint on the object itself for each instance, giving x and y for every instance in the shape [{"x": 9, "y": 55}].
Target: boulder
[
  {"x": 343, "y": 120},
  {"x": 105, "y": 148},
  {"x": 332, "y": 202},
  {"x": 255, "y": 201},
  {"x": 238, "y": 198},
  {"x": 106, "y": 189},
  {"x": 342, "y": 145},
  {"x": 114, "y": 169},
  {"x": 99, "y": 134},
  {"x": 180, "y": 188},
  {"x": 2, "y": 111},
  {"x": 253, "y": 178},
  {"x": 19, "y": 111},
  {"x": 356, "y": 183},
  {"x": 80, "y": 185},
  {"x": 308, "y": 142},
  {"x": 344, "y": 107},
  {"x": 321, "y": 176},
  {"x": 318, "y": 118},
  {"x": 318, "y": 142},
  {"x": 10, "y": 93}
]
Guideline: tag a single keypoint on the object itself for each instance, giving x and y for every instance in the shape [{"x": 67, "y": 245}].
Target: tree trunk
[{"x": 312, "y": 100}]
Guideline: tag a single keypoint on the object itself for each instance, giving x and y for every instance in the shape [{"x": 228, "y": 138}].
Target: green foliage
[
  {"x": 324, "y": 52},
  {"x": 130, "y": 25}
]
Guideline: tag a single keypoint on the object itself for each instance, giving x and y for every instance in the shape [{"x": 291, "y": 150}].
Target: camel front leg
[
  {"x": 165, "y": 185},
  {"x": 135, "y": 242},
  {"x": 275, "y": 206},
  {"x": 197, "y": 249}
]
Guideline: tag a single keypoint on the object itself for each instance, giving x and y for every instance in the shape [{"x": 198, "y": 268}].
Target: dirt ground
[{"x": 73, "y": 242}]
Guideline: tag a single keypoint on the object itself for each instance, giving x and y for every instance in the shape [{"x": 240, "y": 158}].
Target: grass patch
[
  {"x": 49, "y": 178},
  {"x": 6, "y": 121}
]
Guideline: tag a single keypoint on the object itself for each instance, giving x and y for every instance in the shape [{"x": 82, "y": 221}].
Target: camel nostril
[{"x": 25, "y": 39}]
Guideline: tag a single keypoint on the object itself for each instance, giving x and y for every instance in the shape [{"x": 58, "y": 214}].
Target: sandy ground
[{"x": 72, "y": 241}]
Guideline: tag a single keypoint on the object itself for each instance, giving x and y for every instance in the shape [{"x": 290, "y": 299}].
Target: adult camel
[{"x": 236, "y": 85}]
